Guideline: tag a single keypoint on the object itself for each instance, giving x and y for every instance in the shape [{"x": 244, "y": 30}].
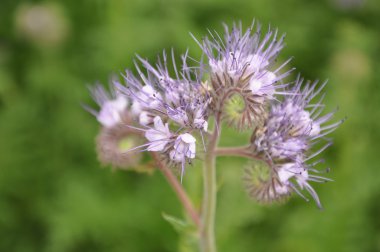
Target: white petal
[
  {"x": 255, "y": 85},
  {"x": 145, "y": 118},
  {"x": 257, "y": 62},
  {"x": 205, "y": 126},
  {"x": 286, "y": 172},
  {"x": 191, "y": 151},
  {"x": 180, "y": 146},
  {"x": 157, "y": 146},
  {"x": 315, "y": 129},
  {"x": 158, "y": 139},
  {"x": 302, "y": 178},
  {"x": 268, "y": 78},
  {"x": 136, "y": 108},
  {"x": 187, "y": 138},
  {"x": 281, "y": 190},
  {"x": 147, "y": 90},
  {"x": 120, "y": 103},
  {"x": 109, "y": 116},
  {"x": 154, "y": 135},
  {"x": 159, "y": 136},
  {"x": 158, "y": 124},
  {"x": 176, "y": 156}
]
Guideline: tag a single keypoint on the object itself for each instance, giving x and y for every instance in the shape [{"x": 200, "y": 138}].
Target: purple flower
[
  {"x": 291, "y": 174},
  {"x": 146, "y": 98},
  {"x": 159, "y": 136},
  {"x": 112, "y": 106},
  {"x": 184, "y": 147},
  {"x": 184, "y": 150}
]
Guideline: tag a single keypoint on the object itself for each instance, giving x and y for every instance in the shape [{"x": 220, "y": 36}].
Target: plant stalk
[
  {"x": 207, "y": 238},
  {"x": 178, "y": 189},
  {"x": 241, "y": 151}
]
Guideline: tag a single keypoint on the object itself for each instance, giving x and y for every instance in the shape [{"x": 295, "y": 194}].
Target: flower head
[
  {"x": 242, "y": 63},
  {"x": 180, "y": 99},
  {"x": 286, "y": 139},
  {"x": 263, "y": 183},
  {"x": 168, "y": 109}
]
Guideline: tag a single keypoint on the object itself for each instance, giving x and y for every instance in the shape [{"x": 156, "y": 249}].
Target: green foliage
[
  {"x": 54, "y": 196},
  {"x": 187, "y": 231}
]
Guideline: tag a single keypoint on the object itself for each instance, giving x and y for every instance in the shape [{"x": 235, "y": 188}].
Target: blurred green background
[{"x": 54, "y": 196}]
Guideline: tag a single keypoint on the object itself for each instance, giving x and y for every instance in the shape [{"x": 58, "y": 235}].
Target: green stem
[
  {"x": 207, "y": 239},
  {"x": 178, "y": 189}
]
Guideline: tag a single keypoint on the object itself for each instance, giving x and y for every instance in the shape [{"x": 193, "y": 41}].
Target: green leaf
[{"x": 178, "y": 224}]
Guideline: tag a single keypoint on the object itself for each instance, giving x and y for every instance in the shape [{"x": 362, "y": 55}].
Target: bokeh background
[{"x": 54, "y": 196}]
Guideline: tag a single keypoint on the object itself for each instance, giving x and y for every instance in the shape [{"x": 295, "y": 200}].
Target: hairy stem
[
  {"x": 241, "y": 151},
  {"x": 207, "y": 241},
  {"x": 182, "y": 196}
]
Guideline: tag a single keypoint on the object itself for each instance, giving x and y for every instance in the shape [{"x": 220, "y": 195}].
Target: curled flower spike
[
  {"x": 111, "y": 144},
  {"x": 293, "y": 126},
  {"x": 114, "y": 139},
  {"x": 291, "y": 129},
  {"x": 240, "y": 66},
  {"x": 263, "y": 184}
]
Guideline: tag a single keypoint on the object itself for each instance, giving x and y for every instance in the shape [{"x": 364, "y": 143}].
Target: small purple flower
[
  {"x": 291, "y": 173},
  {"x": 178, "y": 148},
  {"x": 146, "y": 98},
  {"x": 109, "y": 115},
  {"x": 159, "y": 136},
  {"x": 184, "y": 149},
  {"x": 112, "y": 106}
]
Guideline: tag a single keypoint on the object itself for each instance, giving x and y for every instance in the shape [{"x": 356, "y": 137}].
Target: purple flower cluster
[
  {"x": 286, "y": 139},
  {"x": 171, "y": 112},
  {"x": 171, "y": 107}
]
